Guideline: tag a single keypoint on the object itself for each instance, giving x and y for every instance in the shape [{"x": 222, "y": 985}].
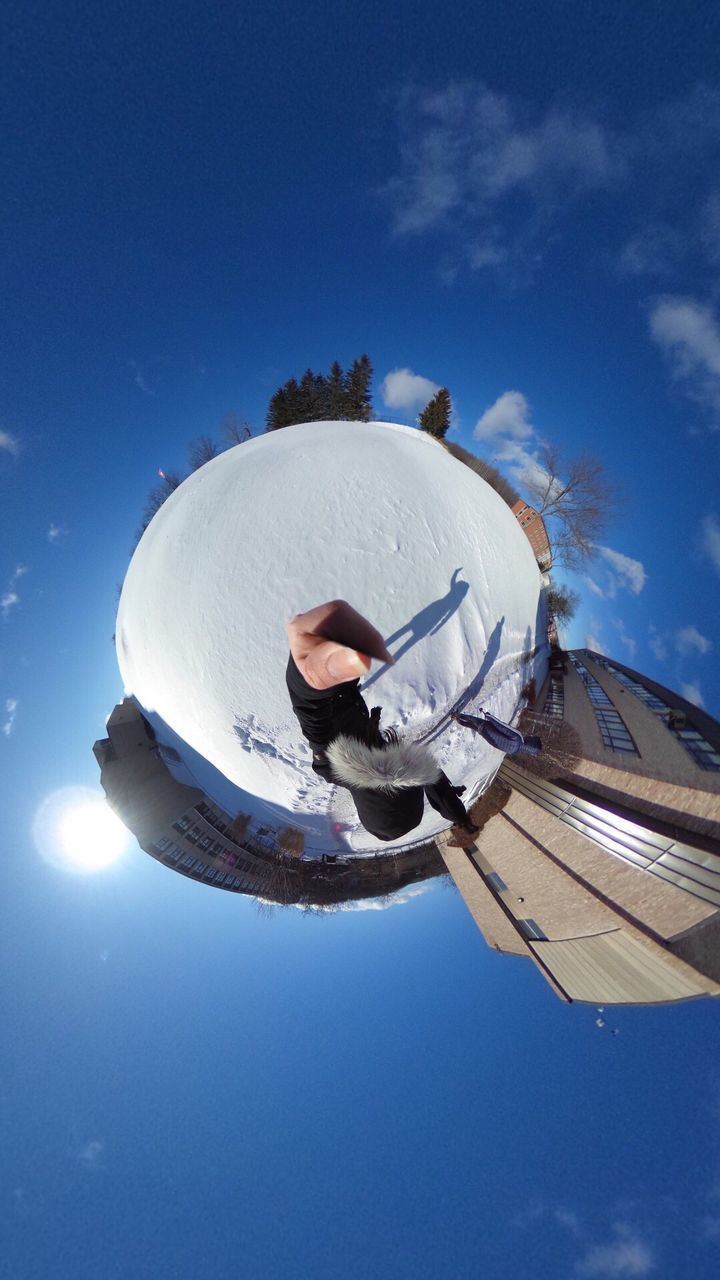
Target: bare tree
[
  {"x": 235, "y": 430},
  {"x": 281, "y": 885},
  {"x": 238, "y": 827},
  {"x": 562, "y": 747},
  {"x": 292, "y": 841},
  {"x": 562, "y": 603},
  {"x": 169, "y": 481},
  {"x": 202, "y": 450},
  {"x": 483, "y": 469},
  {"x": 491, "y": 802},
  {"x": 577, "y": 498}
]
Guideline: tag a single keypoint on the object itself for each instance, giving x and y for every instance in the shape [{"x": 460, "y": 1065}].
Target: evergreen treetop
[
  {"x": 318, "y": 397},
  {"x": 359, "y": 402},
  {"x": 435, "y": 417}
]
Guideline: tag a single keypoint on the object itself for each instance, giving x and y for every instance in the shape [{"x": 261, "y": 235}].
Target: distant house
[{"x": 534, "y": 529}]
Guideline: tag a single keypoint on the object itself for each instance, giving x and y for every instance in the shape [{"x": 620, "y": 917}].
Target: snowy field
[{"x": 374, "y": 513}]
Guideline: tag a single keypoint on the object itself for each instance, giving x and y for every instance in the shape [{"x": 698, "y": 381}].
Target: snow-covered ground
[{"x": 376, "y": 514}]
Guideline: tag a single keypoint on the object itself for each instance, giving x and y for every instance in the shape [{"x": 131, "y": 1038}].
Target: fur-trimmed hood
[{"x": 389, "y": 769}]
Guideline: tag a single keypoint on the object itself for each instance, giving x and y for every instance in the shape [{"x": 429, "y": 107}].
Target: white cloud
[
  {"x": 55, "y": 532},
  {"x": 569, "y": 1220},
  {"x": 524, "y": 467},
  {"x": 690, "y": 640},
  {"x": 710, "y": 227},
  {"x": 506, "y": 424},
  {"x": 466, "y": 153},
  {"x": 592, "y": 642},
  {"x": 382, "y": 904},
  {"x": 626, "y": 571},
  {"x": 711, "y": 539},
  {"x": 403, "y": 389},
  {"x": 656, "y": 250},
  {"x": 10, "y": 597},
  {"x": 526, "y": 1217},
  {"x": 689, "y": 334},
  {"x": 515, "y": 441},
  {"x": 626, "y": 640},
  {"x": 500, "y": 179},
  {"x": 7, "y": 601},
  {"x": 692, "y": 693},
  {"x": 507, "y": 416},
  {"x": 89, "y": 1154},
  {"x": 710, "y": 1223},
  {"x": 11, "y": 706},
  {"x": 9, "y": 443},
  {"x": 657, "y": 642},
  {"x": 373, "y": 904},
  {"x": 626, "y": 1255},
  {"x": 139, "y": 379}
]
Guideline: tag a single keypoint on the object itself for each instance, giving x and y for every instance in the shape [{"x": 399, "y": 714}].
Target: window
[
  {"x": 496, "y": 882},
  {"x": 614, "y": 732},
  {"x": 161, "y": 845},
  {"x": 701, "y": 751},
  {"x": 555, "y": 700},
  {"x": 532, "y": 929}
]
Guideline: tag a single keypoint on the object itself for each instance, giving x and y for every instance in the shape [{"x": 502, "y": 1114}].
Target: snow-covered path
[{"x": 378, "y": 514}]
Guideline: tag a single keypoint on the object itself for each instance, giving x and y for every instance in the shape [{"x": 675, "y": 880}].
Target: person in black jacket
[{"x": 331, "y": 649}]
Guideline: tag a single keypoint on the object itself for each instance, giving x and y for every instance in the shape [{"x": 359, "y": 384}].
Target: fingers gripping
[{"x": 333, "y": 643}]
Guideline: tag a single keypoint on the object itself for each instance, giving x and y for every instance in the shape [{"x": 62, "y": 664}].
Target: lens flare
[{"x": 76, "y": 830}]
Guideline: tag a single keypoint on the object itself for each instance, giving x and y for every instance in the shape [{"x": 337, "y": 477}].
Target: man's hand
[{"x": 334, "y": 643}]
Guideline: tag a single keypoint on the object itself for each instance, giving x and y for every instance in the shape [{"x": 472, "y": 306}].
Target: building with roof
[
  {"x": 533, "y": 526},
  {"x": 603, "y": 866},
  {"x": 182, "y": 828}
]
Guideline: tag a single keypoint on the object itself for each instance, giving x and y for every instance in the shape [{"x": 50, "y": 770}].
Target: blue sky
[{"x": 197, "y": 206}]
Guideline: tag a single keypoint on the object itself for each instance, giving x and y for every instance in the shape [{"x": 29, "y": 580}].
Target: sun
[{"x": 75, "y": 829}]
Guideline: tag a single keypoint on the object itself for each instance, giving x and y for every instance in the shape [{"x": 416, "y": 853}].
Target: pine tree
[
  {"x": 275, "y": 411},
  {"x": 284, "y": 406},
  {"x": 312, "y": 397},
  {"x": 435, "y": 417},
  {"x": 336, "y": 393},
  {"x": 358, "y": 400},
  {"x": 318, "y": 397}
]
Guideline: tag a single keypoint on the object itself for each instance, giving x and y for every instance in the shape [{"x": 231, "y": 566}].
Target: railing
[{"x": 696, "y": 871}]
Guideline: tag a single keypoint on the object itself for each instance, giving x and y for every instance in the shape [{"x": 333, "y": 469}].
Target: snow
[{"x": 374, "y": 513}]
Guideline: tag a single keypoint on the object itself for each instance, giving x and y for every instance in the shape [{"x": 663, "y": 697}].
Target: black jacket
[{"x": 388, "y": 786}]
